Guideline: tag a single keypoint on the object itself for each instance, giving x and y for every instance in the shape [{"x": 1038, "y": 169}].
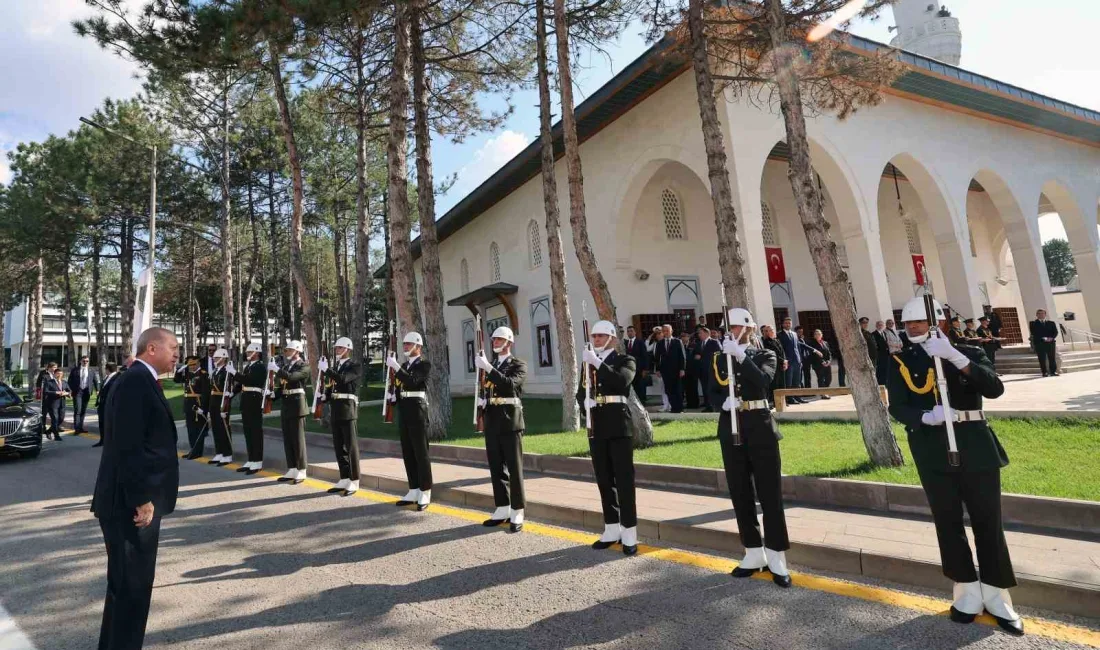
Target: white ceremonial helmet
[
  {"x": 604, "y": 327},
  {"x": 914, "y": 310},
  {"x": 296, "y": 346},
  {"x": 254, "y": 347},
  {"x": 221, "y": 353},
  {"x": 739, "y": 316},
  {"x": 342, "y": 342},
  {"x": 414, "y": 337},
  {"x": 504, "y": 333}
]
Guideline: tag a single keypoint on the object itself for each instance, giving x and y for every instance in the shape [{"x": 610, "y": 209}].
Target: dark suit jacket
[
  {"x": 74, "y": 379},
  {"x": 789, "y": 341},
  {"x": 673, "y": 357},
  {"x": 139, "y": 463},
  {"x": 1043, "y": 329},
  {"x": 640, "y": 354},
  {"x": 50, "y": 388},
  {"x": 881, "y": 345},
  {"x": 105, "y": 390},
  {"x": 506, "y": 382},
  {"x": 872, "y": 347}
]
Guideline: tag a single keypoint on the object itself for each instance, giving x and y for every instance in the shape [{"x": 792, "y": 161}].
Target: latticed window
[
  {"x": 494, "y": 261},
  {"x": 535, "y": 242},
  {"x": 912, "y": 234},
  {"x": 464, "y": 274},
  {"x": 771, "y": 231},
  {"x": 673, "y": 215}
]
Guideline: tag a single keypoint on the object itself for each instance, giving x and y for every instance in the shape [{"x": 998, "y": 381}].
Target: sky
[{"x": 50, "y": 76}]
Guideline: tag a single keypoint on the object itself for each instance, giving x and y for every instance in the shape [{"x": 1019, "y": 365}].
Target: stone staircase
[{"x": 1021, "y": 360}]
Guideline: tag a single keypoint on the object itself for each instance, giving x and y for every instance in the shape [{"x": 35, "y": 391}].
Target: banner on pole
[
  {"x": 777, "y": 270},
  {"x": 143, "y": 306},
  {"x": 918, "y": 270}
]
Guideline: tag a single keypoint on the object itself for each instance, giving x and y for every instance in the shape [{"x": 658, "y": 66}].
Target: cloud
[{"x": 485, "y": 162}]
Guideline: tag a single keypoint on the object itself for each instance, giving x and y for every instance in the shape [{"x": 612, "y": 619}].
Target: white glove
[
  {"x": 481, "y": 361},
  {"x": 392, "y": 397},
  {"x": 230, "y": 368},
  {"x": 592, "y": 359},
  {"x": 589, "y": 402},
  {"x": 734, "y": 349},
  {"x": 942, "y": 348},
  {"x": 728, "y": 404},
  {"x": 322, "y": 365},
  {"x": 482, "y": 402},
  {"x": 272, "y": 366},
  {"x": 392, "y": 362},
  {"x": 936, "y": 417}
]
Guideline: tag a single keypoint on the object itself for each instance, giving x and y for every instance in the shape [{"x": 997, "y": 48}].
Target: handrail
[{"x": 1088, "y": 336}]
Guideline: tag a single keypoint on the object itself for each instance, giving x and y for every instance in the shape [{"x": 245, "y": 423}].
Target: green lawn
[{"x": 1038, "y": 449}]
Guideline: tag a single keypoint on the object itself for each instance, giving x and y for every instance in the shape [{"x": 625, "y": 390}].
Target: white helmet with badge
[
  {"x": 739, "y": 317},
  {"x": 504, "y": 333},
  {"x": 221, "y": 353},
  {"x": 297, "y": 346},
  {"x": 604, "y": 327},
  {"x": 342, "y": 342},
  {"x": 414, "y": 337},
  {"x": 254, "y": 347},
  {"x": 914, "y": 310}
]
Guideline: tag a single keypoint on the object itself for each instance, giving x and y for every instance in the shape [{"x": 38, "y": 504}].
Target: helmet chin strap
[
  {"x": 920, "y": 338},
  {"x": 499, "y": 350}
]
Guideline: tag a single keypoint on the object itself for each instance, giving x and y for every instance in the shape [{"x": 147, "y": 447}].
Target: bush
[{"x": 17, "y": 379}]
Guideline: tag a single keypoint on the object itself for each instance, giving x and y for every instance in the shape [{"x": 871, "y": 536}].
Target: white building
[{"x": 973, "y": 160}]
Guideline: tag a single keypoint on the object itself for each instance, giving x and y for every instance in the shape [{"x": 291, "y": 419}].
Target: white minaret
[{"x": 927, "y": 28}]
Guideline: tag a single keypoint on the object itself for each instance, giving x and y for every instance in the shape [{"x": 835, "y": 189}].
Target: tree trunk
[
  {"x": 126, "y": 289},
  {"x": 341, "y": 278},
  {"x": 70, "y": 341},
  {"x": 255, "y": 263},
  {"x": 34, "y": 323},
  {"x": 362, "y": 214},
  {"x": 878, "y": 436},
  {"x": 730, "y": 262},
  {"x": 283, "y": 315},
  {"x": 309, "y": 304},
  {"x": 226, "y": 229},
  {"x": 189, "y": 332},
  {"x": 578, "y": 221},
  {"x": 97, "y": 310},
  {"x": 238, "y": 315},
  {"x": 559, "y": 287},
  {"x": 391, "y": 302},
  {"x": 404, "y": 283}
]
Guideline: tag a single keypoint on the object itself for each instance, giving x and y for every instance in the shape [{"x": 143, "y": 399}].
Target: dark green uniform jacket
[
  {"x": 613, "y": 378},
  {"x": 342, "y": 378},
  {"x": 295, "y": 374},
  {"x": 754, "y": 376},
  {"x": 506, "y": 382}
]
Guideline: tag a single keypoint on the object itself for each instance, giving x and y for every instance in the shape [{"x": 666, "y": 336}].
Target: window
[
  {"x": 464, "y": 274},
  {"x": 913, "y": 235},
  {"x": 494, "y": 262},
  {"x": 673, "y": 216},
  {"x": 535, "y": 243},
  {"x": 771, "y": 232}
]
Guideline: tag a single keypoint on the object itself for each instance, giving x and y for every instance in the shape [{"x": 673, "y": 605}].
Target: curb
[{"x": 852, "y": 416}]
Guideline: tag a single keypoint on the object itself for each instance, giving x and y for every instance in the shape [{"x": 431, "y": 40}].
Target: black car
[{"x": 21, "y": 426}]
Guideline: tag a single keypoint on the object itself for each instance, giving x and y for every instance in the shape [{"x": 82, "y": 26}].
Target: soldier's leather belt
[
  {"x": 354, "y": 398},
  {"x": 294, "y": 391},
  {"x": 754, "y": 405},
  {"x": 414, "y": 395},
  {"x": 252, "y": 389},
  {"x": 970, "y": 416},
  {"x": 191, "y": 395},
  {"x": 610, "y": 399},
  {"x": 504, "y": 401},
  {"x": 216, "y": 392}
]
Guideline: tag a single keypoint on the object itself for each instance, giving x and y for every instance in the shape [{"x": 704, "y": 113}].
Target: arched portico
[{"x": 1084, "y": 242}]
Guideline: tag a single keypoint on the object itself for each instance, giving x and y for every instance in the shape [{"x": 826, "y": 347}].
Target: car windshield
[{"x": 8, "y": 398}]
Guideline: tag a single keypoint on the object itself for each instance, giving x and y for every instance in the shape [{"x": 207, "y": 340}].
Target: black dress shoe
[
  {"x": 193, "y": 456},
  {"x": 630, "y": 550},
  {"x": 515, "y": 528},
  {"x": 212, "y": 462},
  {"x": 283, "y": 479},
  {"x": 421, "y": 507},
  {"x": 740, "y": 572},
  {"x": 1015, "y": 628},
  {"x": 98, "y": 444},
  {"x": 403, "y": 502},
  {"x": 825, "y": 397},
  {"x": 782, "y": 581},
  {"x": 348, "y": 493},
  {"x": 961, "y": 617},
  {"x": 242, "y": 469},
  {"x": 490, "y": 523},
  {"x": 252, "y": 471},
  {"x": 334, "y": 490},
  {"x": 600, "y": 545},
  {"x": 298, "y": 481},
  {"x": 224, "y": 463}
]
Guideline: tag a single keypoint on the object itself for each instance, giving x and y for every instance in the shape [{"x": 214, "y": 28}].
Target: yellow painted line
[{"x": 924, "y": 604}]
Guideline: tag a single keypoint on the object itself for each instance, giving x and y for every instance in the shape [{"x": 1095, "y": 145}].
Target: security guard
[
  {"x": 251, "y": 383},
  {"x": 196, "y": 386},
  {"x": 218, "y": 407},
  {"x": 410, "y": 395},
  {"x": 609, "y": 437},
  {"x": 975, "y": 482},
  {"x": 752, "y": 462},
  {"x": 342, "y": 395},
  {"x": 291, "y": 379},
  {"x": 500, "y": 396}
]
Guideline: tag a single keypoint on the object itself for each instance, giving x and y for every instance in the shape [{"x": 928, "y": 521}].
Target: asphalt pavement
[{"x": 249, "y": 563}]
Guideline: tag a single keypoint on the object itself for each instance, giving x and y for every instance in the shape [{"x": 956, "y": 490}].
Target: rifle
[
  {"x": 227, "y": 398},
  {"x": 735, "y": 435},
  {"x": 269, "y": 390},
  {"x": 588, "y": 376},
  {"x": 387, "y": 405},
  {"x": 941, "y": 384},
  {"x": 479, "y": 411},
  {"x": 318, "y": 407}
]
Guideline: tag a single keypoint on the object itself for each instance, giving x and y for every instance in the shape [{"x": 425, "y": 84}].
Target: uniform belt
[
  {"x": 354, "y": 398},
  {"x": 414, "y": 395},
  {"x": 969, "y": 416},
  {"x": 191, "y": 395},
  {"x": 252, "y": 389},
  {"x": 294, "y": 391},
  {"x": 504, "y": 401},
  {"x": 216, "y": 392},
  {"x": 610, "y": 399},
  {"x": 754, "y": 405}
]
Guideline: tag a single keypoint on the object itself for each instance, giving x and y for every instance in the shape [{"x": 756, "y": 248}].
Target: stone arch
[{"x": 1084, "y": 241}]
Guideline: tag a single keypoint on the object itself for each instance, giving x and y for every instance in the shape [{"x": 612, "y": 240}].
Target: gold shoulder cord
[
  {"x": 929, "y": 384},
  {"x": 718, "y": 377}
]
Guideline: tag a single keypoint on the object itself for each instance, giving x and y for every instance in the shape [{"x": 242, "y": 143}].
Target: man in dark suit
[
  {"x": 792, "y": 376},
  {"x": 710, "y": 347},
  {"x": 882, "y": 348},
  {"x": 137, "y": 485},
  {"x": 673, "y": 367},
  {"x": 770, "y": 342},
  {"x": 54, "y": 392},
  {"x": 635, "y": 347},
  {"x": 82, "y": 379},
  {"x": 1044, "y": 337},
  {"x": 869, "y": 340},
  {"x": 101, "y": 400}
]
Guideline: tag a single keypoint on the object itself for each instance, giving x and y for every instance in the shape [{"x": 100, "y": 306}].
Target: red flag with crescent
[
  {"x": 777, "y": 271},
  {"x": 918, "y": 269}
]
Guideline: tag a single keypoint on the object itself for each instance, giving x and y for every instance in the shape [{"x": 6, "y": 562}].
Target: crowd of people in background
[{"x": 55, "y": 390}]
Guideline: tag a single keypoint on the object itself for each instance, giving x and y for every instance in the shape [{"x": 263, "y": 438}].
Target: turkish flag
[
  {"x": 918, "y": 269},
  {"x": 777, "y": 271}
]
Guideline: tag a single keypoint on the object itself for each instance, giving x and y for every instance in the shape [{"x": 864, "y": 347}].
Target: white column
[
  {"x": 961, "y": 290},
  {"x": 1087, "y": 260},
  {"x": 750, "y": 234},
  {"x": 1031, "y": 268},
  {"x": 867, "y": 271}
]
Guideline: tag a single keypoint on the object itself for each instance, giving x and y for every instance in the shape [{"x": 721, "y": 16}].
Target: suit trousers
[
  {"x": 53, "y": 409},
  {"x": 1048, "y": 360},
  {"x": 80, "y": 408},
  {"x": 690, "y": 384},
  {"x": 252, "y": 421},
  {"x": 673, "y": 390},
  {"x": 194, "y": 422},
  {"x": 754, "y": 471},
  {"x": 504, "y": 451},
  {"x": 294, "y": 438},
  {"x": 219, "y": 424},
  {"x": 131, "y": 569},
  {"x": 980, "y": 492},
  {"x": 101, "y": 421},
  {"x": 806, "y": 368},
  {"x": 414, "y": 448},
  {"x": 613, "y": 463},
  {"x": 345, "y": 442},
  {"x": 792, "y": 376},
  {"x": 639, "y": 387}
]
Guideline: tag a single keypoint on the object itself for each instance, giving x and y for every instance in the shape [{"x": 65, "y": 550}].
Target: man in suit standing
[
  {"x": 635, "y": 347},
  {"x": 101, "y": 400},
  {"x": 54, "y": 392},
  {"x": 137, "y": 485},
  {"x": 1044, "y": 337},
  {"x": 673, "y": 367},
  {"x": 869, "y": 340},
  {"x": 882, "y": 348},
  {"x": 709, "y": 347},
  {"x": 82, "y": 379},
  {"x": 792, "y": 376}
]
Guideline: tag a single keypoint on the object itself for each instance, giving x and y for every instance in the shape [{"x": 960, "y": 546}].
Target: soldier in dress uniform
[
  {"x": 251, "y": 383},
  {"x": 975, "y": 482},
  {"x": 500, "y": 396},
  {"x": 342, "y": 395},
  {"x": 989, "y": 341},
  {"x": 291, "y": 379},
  {"x": 411, "y": 397},
  {"x": 609, "y": 437},
  {"x": 752, "y": 463},
  {"x": 196, "y": 387},
  {"x": 220, "y": 382}
]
